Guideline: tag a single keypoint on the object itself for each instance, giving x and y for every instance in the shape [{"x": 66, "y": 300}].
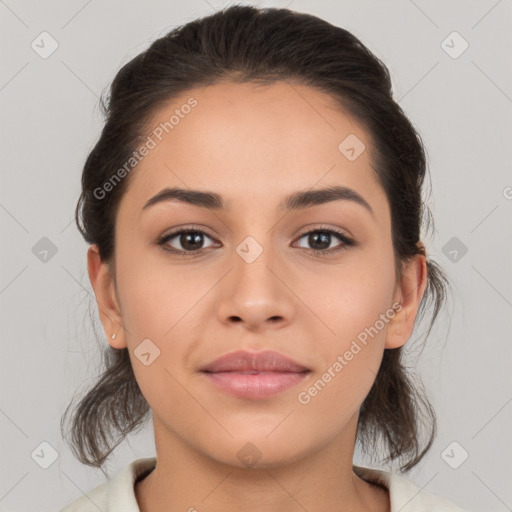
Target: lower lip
[{"x": 255, "y": 385}]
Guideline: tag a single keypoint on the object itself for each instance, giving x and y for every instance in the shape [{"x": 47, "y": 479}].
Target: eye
[
  {"x": 321, "y": 238},
  {"x": 190, "y": 239}
]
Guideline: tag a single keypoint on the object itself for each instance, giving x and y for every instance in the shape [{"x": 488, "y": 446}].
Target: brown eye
[
  {"x": 189, "y": 241},
  {"x": 320, "y": 240}
]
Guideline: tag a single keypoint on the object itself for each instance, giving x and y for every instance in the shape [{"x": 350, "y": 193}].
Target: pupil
[
  {"x": 188, "y": 240},
  {"x": 324, "y": 237}
]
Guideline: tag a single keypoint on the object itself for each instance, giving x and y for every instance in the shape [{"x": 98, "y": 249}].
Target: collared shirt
[{"x": 118, "y": 494}]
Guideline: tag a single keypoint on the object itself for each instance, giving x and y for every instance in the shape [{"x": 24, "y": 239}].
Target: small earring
[{"x": 114, "y": 335}]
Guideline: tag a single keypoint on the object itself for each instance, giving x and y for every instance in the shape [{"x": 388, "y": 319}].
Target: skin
[{"x": 254, "y": 145}]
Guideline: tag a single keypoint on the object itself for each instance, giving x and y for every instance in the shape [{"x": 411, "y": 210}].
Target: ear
[
  {"x": 409, "y": 293},
  {"x": 103, "y": 284}
]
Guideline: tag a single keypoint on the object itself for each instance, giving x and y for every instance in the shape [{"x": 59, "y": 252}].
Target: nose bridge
[
  {"x": 253, "y": 258},
  {"x": 255, "y": 247}
]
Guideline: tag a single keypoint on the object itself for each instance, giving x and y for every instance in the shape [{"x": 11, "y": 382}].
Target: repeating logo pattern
[{"x": 42, "y": 252}]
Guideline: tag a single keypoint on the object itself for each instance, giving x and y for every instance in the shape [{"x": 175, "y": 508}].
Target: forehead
[{"x": 248, "y": 141}]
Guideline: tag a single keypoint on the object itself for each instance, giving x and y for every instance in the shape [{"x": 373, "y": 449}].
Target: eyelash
[{"x": 347, "y": 242}]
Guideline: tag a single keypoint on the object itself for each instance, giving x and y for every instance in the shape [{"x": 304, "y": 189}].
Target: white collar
[{"x": 118, "y": 494}]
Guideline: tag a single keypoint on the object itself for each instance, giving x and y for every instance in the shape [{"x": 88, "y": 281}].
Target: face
[{"x": 314, "y": 282}]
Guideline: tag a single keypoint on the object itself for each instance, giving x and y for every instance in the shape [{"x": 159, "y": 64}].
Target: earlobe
[
  {"x": 408, "y": 294},
  {"x": 103, "y": 284}
]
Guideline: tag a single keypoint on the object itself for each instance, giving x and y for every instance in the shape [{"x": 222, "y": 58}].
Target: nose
[{"x": 256, "y": 292}]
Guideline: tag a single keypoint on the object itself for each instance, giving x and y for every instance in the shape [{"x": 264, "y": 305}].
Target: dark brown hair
[{"x": 241, "y": 44}]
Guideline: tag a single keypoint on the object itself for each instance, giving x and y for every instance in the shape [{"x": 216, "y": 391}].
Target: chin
[{"x": 259, "y": 452}]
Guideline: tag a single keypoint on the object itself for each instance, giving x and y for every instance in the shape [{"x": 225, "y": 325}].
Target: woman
[{"x": 254, "y": 208}]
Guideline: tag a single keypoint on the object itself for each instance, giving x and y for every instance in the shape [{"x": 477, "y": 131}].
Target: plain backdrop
[{"x": 460, "y": 100}]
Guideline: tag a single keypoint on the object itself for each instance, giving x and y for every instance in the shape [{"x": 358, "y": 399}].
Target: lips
[
  {"x": 251, "y": 375},
  {"x": 254, "y": 362}
]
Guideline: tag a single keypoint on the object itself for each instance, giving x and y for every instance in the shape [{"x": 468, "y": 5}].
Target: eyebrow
[{"x": 295, "y": 201}]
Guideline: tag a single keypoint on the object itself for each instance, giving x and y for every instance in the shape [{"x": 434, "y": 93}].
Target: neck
[{"x": 185, "y": 479}]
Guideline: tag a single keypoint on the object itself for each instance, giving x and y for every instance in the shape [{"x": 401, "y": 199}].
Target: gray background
[{"x": 50, "y": 120}]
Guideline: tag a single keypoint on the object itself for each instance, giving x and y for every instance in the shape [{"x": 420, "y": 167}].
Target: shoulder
[
  {"x": 405, "y": 496},
  {"x": 116, "y": 495}
]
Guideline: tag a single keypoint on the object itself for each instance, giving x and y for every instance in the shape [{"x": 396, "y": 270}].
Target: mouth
[{"x": 254, "y": 375}]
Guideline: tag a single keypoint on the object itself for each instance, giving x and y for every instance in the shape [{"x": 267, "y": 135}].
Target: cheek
[
  {"x": 350, "y": 349},
  {"x": 154, "y": 296},
  {"x": 353, "y": 311},
  {"x": 155, "y": 311},
  {"x": 158, "y": 304},
  {"x": 349, "y": 300}
]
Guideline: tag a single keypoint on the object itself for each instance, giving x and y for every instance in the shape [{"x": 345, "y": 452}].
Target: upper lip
[{"x": 242, "y": 360}]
